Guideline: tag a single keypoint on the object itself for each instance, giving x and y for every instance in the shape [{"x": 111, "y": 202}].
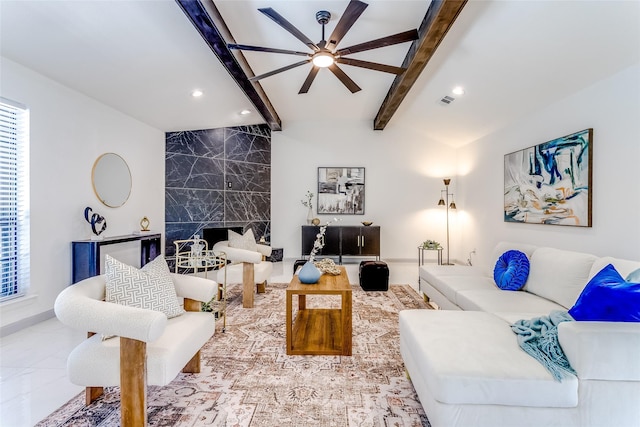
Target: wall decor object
[
  {"x": 144, "y": 224},
  {"x": 341, "y": 190},
  {"x": 97, "y": 222},
  {"x": 111, "y": 180},
  {"x": 550, "y": 183},
  {"x": 308, "y": 203}
]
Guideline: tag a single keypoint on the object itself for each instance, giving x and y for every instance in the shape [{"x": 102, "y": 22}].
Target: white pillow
[
  {"x": 150, "y": 287},
  {"x": 246, "y": 241}
]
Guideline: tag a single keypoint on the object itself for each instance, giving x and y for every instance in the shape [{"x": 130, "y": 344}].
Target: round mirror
[{"x": 111, "y": 180}]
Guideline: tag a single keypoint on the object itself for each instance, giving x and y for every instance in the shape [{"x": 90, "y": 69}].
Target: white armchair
[
  {"x": 151, "y": 349},
  {"x": 247, "y": 267}
]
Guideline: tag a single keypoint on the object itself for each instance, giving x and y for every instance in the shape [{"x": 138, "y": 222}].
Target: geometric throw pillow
[
  {"x": 608, "y": 298},
  {"x": 511, "y": 270},
  {"x": 240, "y": 241},
  {"x": 150, "y": 287}
]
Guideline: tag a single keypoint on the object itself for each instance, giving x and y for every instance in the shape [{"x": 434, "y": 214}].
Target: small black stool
[
  {"x": 374, "y": 276},
  {"x": 298, "y": 263}
]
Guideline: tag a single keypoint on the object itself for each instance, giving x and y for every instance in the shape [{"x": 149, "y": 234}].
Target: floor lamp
[{"x": 444, "y": 201}]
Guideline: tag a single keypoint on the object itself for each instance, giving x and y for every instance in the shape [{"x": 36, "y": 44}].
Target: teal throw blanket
[{"x": 538, "y": 337}]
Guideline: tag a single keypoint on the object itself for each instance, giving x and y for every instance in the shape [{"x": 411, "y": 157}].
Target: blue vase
[{"x": 309, "y": 273}]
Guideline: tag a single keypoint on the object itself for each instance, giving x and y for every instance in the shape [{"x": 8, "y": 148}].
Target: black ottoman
[{"x": 374, "y": 276}]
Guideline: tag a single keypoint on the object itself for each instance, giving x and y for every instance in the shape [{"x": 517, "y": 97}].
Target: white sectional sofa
[{"x": 468, "y": 369}]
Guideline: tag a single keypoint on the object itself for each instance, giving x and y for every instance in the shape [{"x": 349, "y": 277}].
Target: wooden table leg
[
  {"x": 289, "y": 321},
  {"x": 347, "y": 326}
]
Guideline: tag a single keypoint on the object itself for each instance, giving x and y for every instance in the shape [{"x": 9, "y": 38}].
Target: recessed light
[
  {"x": 197, "y": 93},
  {"x": 245, "y": 112},
  {"x": 458, "y": 90}
]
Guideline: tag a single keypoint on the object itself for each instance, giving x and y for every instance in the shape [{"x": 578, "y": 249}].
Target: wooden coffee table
[{"x": 320, "y": 331}]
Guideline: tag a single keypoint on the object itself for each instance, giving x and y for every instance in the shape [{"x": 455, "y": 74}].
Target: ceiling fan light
[{"x": 322, "y": 59}]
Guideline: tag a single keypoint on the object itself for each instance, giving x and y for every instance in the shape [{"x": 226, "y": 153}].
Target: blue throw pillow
[
  {"x": 609, "y": 298},
  {"x": 511, "y": 270}
]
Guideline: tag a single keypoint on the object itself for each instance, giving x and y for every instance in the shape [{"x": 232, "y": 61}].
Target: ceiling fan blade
[
  {"x": 280, "y": 20},
  {"x": 265, "y": 49},
  {"x": 371, "y": 65},
  {"x": 403, "y": 37},
  {"x": 349, "y": 17},
  {"x": 310, "y": 77},
  {"x": 350, "y": 84},
  {"x": 279, "y": 70}
]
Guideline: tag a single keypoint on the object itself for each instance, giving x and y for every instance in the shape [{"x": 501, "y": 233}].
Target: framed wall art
[
  {"x": 551, "y": 183},
  {"x": 341, "y": 190}
]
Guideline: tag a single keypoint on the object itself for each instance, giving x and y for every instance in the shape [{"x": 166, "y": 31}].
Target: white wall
[
  {"x": 404, "y": 174},
  {"x": 404, "y": 171},
  {"x": 68, "y": 132},
  {"x": 403, "y": 178},
  {"x": 612, "y": 108}
]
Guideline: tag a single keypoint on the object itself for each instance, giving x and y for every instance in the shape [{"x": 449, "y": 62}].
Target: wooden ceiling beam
[
  {"x": 204, "y": 15},
  {"x": 437, "y": 21}
]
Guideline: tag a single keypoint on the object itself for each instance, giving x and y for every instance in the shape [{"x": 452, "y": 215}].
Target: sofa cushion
[
  {"x": 609, "y": 298},
  {"x": 559, "y": 275},
  {"x": 624, "y": 266},
  {"x": 428, "y": 272},
  {"x": 449, "y": 286},
  {"x": 474, "y": 358},
  {"x": 96, "y": 362},
  {"x": 497, "y": 300},
  {"x": 634, "y": 276},
  {"x": 233, "y": 273},
  {"x": 243, "y": 241},
  {"x": 150, "y": 287},
  {"x": 511, "y": 270},
  {"x": 602, "y": 350}
]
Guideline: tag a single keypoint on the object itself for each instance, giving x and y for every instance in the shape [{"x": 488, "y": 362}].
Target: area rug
[{"x": 247, "y": 379}]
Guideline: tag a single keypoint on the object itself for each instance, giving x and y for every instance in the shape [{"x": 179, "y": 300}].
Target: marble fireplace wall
[{"x": 217, "y": 178}]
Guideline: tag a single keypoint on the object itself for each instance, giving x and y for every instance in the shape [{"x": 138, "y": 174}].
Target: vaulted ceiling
[{"x": 145, "y": 57}]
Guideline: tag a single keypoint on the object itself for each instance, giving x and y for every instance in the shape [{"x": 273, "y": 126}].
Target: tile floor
[{"x": 33, "y": 380}]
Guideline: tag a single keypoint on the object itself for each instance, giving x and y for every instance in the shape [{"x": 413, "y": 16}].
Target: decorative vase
[
  {"x": 309, "y": 273},
  {"x": 310, "y": 216}
]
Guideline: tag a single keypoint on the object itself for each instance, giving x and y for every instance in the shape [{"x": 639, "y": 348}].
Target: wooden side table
[{"x": 320, "y": 331}]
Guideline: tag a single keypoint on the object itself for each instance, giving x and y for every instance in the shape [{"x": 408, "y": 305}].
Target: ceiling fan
[{"x": 325, "y": 54}]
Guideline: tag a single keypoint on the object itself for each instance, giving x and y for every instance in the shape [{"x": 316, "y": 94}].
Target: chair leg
[
  {"x": 193, "y": 365},
  {"x": 247, "y": 284},
  {"x": 92, "y": 393},
  {"x": 133, "y": 383},
  {"x": 262, "y": 287}
]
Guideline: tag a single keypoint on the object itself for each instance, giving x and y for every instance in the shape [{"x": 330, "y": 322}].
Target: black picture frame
[{"x": 341, "y": 190}]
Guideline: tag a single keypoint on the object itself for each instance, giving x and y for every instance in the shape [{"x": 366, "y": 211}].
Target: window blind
[{"x": 14, "y": 199}]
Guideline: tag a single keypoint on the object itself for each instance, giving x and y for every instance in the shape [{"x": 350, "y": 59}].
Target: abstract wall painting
[
  {"x": 341, "y": 190},
  {"x": 550, "y": 183}
]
